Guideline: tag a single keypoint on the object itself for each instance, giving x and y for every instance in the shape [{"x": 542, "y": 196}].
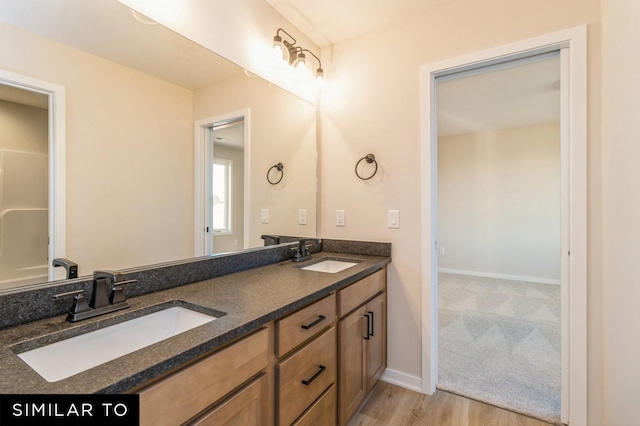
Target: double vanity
[{"x": 282, "y": 343}]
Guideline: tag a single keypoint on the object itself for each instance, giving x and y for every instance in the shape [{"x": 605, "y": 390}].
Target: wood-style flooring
[{"x": 393, "y": 405}]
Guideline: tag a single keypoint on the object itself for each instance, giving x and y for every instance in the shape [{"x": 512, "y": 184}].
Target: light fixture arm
[
  {"x": 319, "y": 71},
  {"x": 290, "y": 36}
]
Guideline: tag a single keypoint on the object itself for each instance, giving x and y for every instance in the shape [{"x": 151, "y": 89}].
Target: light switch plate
[
  {"x": 394, "y": 219},
  {"x": 264, "y": 216},
  {"x": 340, "y": 218},
  {"x": 302, "y": 217}
]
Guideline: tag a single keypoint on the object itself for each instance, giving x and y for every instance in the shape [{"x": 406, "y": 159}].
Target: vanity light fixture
[{"x": 288, "y": 51}]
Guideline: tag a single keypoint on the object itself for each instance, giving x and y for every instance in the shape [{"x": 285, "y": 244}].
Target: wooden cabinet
[
  {"x": 307, "y": 365},
  {"x": 377, "y": 342},
  {"x": 304, "y": 376},
  {"x": 301, "y": 326},
  {"x": 362, "y": 342},
  {"x": 184, "y": 394}
]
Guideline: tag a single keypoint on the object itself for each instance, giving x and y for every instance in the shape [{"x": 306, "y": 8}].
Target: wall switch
[
  {"x": 264, "y": 216},
  {"x": 302, "y": 217},
  {"x": 441, "y": 250},
  {"x": 340, "y": 219},
  {"x": 394, "y": 219}
]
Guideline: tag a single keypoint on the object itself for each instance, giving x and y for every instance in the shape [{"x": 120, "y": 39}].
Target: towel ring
[
  {"x": 279, "y": 168},
  {"x": 369, "y": 158}
]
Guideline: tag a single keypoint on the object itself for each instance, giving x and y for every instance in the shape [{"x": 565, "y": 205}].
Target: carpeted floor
[{"x": 499, "y": 343}]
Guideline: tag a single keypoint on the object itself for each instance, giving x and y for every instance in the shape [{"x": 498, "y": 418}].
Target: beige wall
[
  {"x": 621, "y": 208},
  {"x": 499, "y": 203},
  {"x": 282, "y": 130},
  {"x": 129, "y": 155},
  {"x": 374, "y": 106}
]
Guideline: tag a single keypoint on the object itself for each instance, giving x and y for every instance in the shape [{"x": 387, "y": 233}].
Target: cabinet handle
[
  {"x": 368, "y": 327},
  {"x": 372, "y": 322},
  {"x": 315, "y": 376},
  {"x": 319, "y": 320}
]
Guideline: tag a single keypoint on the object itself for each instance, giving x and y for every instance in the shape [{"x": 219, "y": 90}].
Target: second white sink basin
[
  {"x": 330, "y": 266},
  {"x": 71, "y": 356}
]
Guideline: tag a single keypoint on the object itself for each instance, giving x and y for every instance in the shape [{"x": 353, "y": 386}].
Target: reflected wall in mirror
[{"x": 133, "y": 94}]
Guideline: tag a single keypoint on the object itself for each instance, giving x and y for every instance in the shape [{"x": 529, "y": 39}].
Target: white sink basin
[
  {"x": 329, "y": 266},
  {"x": 65, "y": 358}
]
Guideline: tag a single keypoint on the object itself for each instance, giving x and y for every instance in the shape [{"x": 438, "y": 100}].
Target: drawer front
[
  {"x": 323, "y": 412},
  {"x": 304, "y": 376},
  {"x": 247, "y": 407},
  {"x": 356, "y": 294},
  {"x": 301, "y": 326},
  {"x": 180, "y": 396}
]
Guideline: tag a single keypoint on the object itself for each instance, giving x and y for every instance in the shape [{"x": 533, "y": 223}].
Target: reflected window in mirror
[{"x": 222, "y": 205}]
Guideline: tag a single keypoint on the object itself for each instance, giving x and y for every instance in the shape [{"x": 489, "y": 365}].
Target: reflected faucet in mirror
[
  {"x": 69, "y": 266},
  {"x": 270, "y": 240},
  {"x": 102, "y": 301}
]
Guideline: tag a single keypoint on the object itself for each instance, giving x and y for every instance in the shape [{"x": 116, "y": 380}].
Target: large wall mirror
[{"x": 153, "y": 122}]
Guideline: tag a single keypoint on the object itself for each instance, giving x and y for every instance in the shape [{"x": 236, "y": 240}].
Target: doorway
[
  {"x": 499, "y": 222},
  {"x": 572, "y": 46},
  {"x": 222, "y": 182},
  {"x": 32, "y": 184}
]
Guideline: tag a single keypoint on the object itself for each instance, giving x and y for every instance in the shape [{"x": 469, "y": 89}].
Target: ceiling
[
  {"x": 516, "y": 94},
  {"x": 510, "y": 97},
  {"x": 107, "y": 28},
  {"x": 328, "y": 22}
]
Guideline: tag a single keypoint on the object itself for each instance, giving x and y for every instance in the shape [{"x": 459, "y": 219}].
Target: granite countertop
[{"x": 249, "y": 299}]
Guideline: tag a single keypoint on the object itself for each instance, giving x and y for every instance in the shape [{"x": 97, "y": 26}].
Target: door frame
[
  {"x": 572, "y": 43},
  {"x": 201, "y": 155},
  {"x": 57, "y": 162}
]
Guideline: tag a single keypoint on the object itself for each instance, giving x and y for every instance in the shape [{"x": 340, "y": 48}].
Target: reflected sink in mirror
[
  {"x": 71, "y": 356},
  {"x": 331, "y": 266}
]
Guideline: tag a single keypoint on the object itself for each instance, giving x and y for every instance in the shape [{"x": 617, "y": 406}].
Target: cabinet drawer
[
  {"x": 185, "y": 393},
  {"x": 301, "y": 326},
  {"x": 246, "y": 407},
  {"x": 323, "y": 411},
  {"x": 356, "y": 294},
  {"x": 301, "y": 378}
]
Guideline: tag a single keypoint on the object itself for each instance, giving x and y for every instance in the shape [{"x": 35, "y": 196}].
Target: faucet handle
[
  {"x": 111, "y": 276},
  {"x": 117, "y": 293},
  {"x": 79, "y": 302}
]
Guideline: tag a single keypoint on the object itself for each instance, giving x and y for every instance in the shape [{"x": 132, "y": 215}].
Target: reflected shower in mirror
[{"x": 133, "y": 93}]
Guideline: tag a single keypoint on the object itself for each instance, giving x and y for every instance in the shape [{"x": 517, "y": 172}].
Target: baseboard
[
  {"x": 500, "y": 276},
  {"x": 402, "y": 379}
]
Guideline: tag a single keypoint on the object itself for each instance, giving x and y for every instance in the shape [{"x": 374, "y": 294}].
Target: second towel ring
[
  {"x": 280, "y": 168},
  {"x": 369, "y": 158}
]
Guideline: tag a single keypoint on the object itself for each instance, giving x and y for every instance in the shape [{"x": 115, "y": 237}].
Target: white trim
[
  {"x": 574, "y": 305},
  {"x": 402, "y": 379},
  {"x": 200, "y": 169},
  {"x": 500, "y": 276},
  {"x": 57, "y": 162}
]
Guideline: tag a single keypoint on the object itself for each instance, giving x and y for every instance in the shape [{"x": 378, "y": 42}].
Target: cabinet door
[
  {"x": 376, "y": 345},
  {"x": 353, "y": 352},
  {"x": 247, "y": 407}
]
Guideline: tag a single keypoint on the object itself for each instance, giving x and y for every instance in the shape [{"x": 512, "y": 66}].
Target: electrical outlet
[
  {"x": 441, "y": 250},
  {"x": 340, "y": 218},
  {"x": 302, "y": 217},
  {"x": 394, "y": 219},
  {"x": 264, "y": 216}
]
